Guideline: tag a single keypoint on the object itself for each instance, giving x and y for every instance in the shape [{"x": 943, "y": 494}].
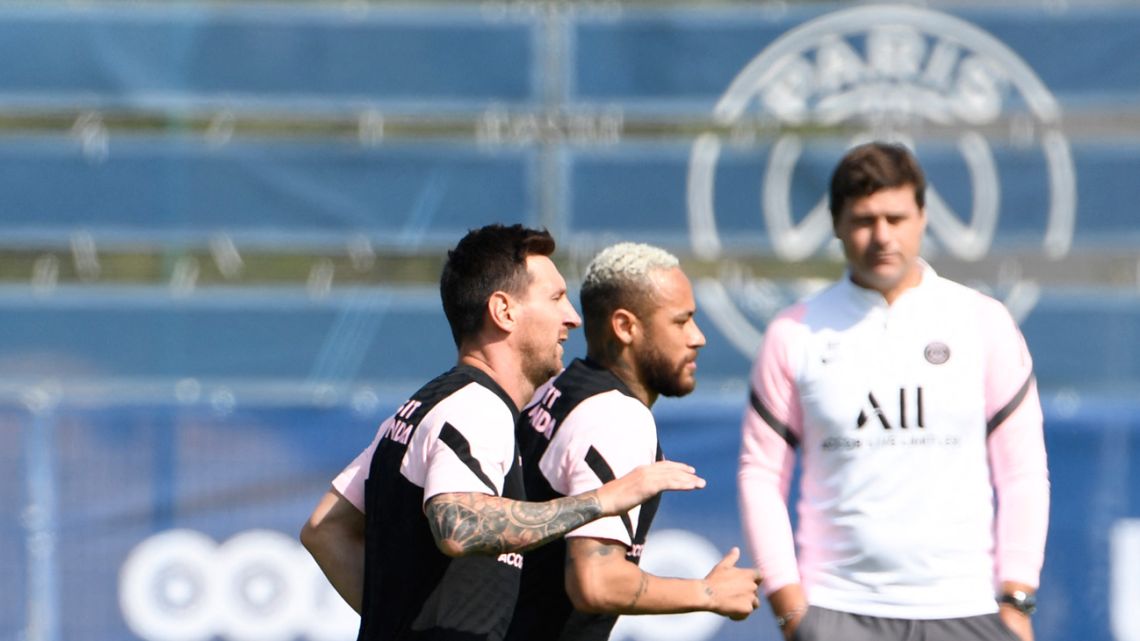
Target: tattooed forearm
[{"x": 480, "y": 524}]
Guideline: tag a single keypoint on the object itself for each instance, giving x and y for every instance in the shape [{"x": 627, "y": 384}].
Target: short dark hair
[
  {"x": 487, "y": 260},
  {"x": 872, "y": 167}
]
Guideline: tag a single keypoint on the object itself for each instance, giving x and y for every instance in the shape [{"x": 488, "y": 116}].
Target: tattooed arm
[
  {"x": 599, "y": 579},
  {"x": 471, "y": 523}
]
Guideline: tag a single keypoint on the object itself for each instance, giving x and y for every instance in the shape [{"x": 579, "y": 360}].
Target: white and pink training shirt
[{"x": 911, "y": 420}]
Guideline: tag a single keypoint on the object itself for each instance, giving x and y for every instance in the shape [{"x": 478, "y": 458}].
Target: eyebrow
[{"x": 868, "y": 215}]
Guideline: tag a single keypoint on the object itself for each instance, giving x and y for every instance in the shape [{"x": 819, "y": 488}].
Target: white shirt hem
[{"x": 914, "y": 611}]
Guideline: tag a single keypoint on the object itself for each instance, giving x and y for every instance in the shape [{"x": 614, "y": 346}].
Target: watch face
[{"x": 1025, "y": 602}]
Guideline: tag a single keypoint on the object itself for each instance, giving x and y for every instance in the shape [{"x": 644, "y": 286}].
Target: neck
[
  {"x": 497, "y": 364},
  {"x": 892, "y": 292},
  {"x": 623, "y": 368}
]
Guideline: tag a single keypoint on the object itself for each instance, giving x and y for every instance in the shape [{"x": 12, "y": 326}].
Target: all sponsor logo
[
  {"x": 892, "y": 72},
  {"x": 912, "y": 417}
]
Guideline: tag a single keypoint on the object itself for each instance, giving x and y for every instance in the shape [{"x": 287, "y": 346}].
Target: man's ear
[
  {"x": 625, "y": 326},
  {"x": 502, "y": 311}
]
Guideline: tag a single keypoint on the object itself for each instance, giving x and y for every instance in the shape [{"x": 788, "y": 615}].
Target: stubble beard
[
  {"x": 663, "y": 376},
  {"x": 540, "y": 364}
]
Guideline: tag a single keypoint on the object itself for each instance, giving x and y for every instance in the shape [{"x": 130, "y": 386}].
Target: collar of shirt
[{"x": 868, "y": 299}]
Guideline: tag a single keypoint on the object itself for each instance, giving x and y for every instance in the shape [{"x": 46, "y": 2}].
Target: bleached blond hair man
[{"x": 591, "y": 423}]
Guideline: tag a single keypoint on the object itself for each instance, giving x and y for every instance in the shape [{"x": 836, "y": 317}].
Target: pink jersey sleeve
[
  {"x": 771, "y": 428},
  {"x": 619, "y": 434},
  {"x": 350, "y": 481},
  {"x": 470, "y": 446},
  {"x": 1017, "y": 453}
]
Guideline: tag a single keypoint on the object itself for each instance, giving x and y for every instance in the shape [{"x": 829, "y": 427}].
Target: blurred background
[{"x": 222, "y": 224}]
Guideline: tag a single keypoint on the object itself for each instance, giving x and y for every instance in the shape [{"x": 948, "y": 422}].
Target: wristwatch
[{"x": 1023, "y": 602}]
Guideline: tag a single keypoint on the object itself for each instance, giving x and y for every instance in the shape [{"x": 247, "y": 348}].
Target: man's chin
[
  {"x": 541, "y": 376},
  {"x": 681, "y": 387},
  {"x": 879, "y": 279}
]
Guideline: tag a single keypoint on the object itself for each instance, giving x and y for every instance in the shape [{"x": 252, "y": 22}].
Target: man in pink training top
[{"x": 913, "y": 403}]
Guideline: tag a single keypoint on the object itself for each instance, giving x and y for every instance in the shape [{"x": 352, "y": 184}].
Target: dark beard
[
  {"x": 538, "y": 370},
  {"x": 662, "y": 376}
]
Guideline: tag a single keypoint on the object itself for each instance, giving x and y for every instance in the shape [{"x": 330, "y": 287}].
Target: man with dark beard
[
  {"x": 591, "y": 424},
  {"x": 422, "y": 533}
]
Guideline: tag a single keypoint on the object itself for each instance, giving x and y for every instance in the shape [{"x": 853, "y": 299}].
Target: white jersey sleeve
[
  {"x": 465, "y": 444},
  {"x": 350, "y": 482},
  {"x": 610, "y": 434}
]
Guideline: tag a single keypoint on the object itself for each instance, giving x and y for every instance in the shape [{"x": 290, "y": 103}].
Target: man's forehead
[
  {"x": 672, "y": 286},
  {"x": 544, "y": 273},
  {"x": 885, "y": 201}
]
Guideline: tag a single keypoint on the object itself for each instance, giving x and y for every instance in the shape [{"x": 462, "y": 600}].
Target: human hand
[
  {"x": 732, "y": 590},
  {"x": 1017, "y": 621},
  {"x": 645, "y": 482}
]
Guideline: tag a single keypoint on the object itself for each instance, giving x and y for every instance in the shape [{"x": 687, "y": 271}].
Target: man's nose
[
  {"x": 697, "y": 339},
  {"x": 571, "y": 317},
  {"x": 881, "y": 231}
]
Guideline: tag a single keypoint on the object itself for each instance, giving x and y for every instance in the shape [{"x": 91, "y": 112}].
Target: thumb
[{"x": 730, "y": 559}]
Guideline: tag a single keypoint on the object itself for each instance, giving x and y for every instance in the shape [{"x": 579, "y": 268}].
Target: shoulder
[
  {"x": 473, "y": 405},
  {"x": 787, "y": 330},
  {"x": 960, "y": 292},
  {"x": 973, "y": 304},
  {"x": 604, "y": 411},
  {"x": 789, "y": 321},
  {"x": 620, "y": 427},
  {"x": 820, "y": 307}
]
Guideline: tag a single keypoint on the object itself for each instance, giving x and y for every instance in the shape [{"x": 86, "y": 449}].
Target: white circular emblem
[
  {"x": 878, "y": 72},
  {"x": 936, "y": 353},
  {"x": 260, "y": 585}
]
